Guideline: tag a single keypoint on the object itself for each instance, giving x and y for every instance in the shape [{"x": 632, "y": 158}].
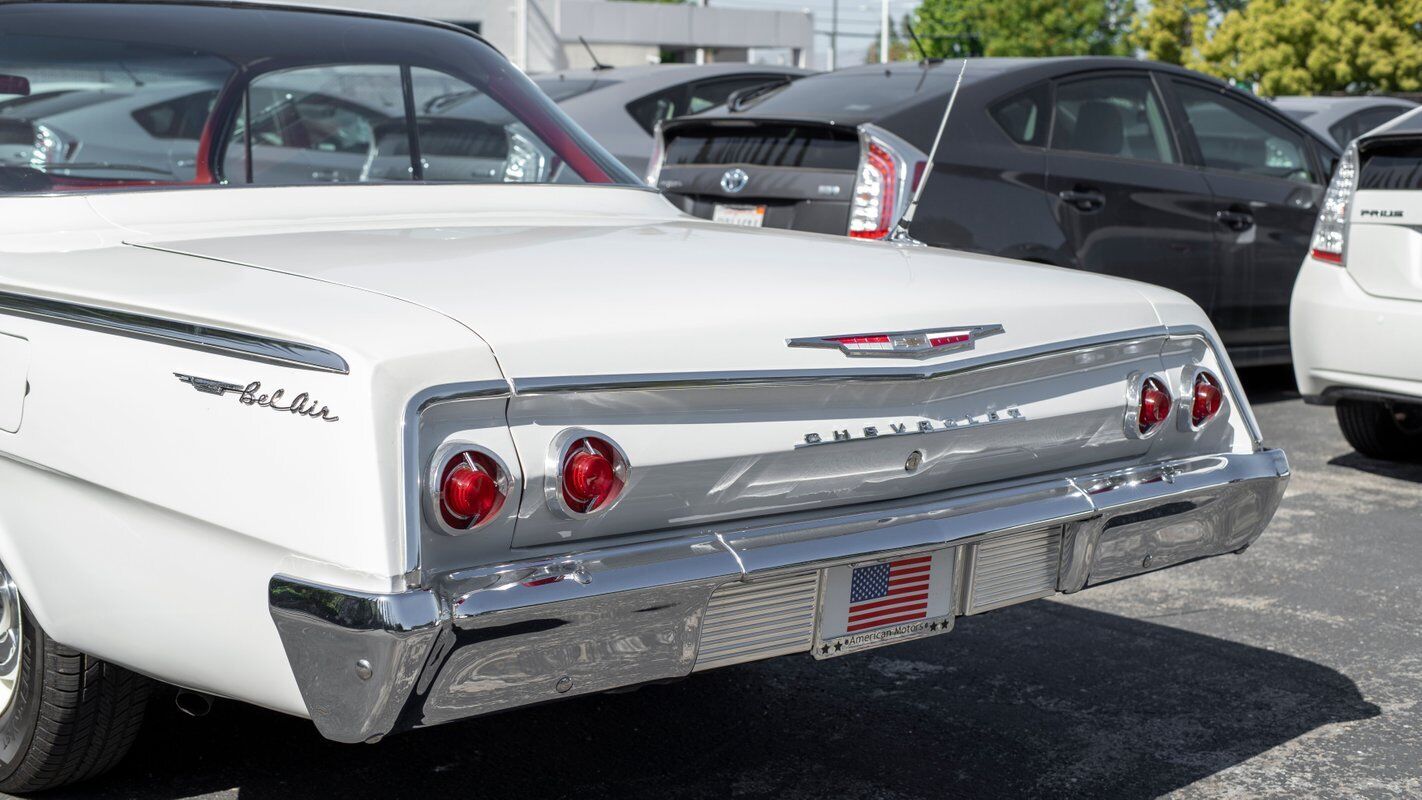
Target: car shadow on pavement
[
  {"x": 1043, "y": 700},
  {"x": 1398, "y": 470}
]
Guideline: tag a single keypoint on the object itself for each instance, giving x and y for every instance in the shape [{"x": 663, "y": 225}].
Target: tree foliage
[
  {"x": 1317, "y": 46},
  {"x": 952, "y": 28}
]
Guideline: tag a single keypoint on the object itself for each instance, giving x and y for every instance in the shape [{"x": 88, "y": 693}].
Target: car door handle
[
  {"x": 1236, "y": 220},
  {"x": 1083, "y": 199}
]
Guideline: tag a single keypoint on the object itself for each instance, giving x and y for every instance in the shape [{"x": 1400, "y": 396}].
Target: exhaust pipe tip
[{"x": 194, "y": 704}]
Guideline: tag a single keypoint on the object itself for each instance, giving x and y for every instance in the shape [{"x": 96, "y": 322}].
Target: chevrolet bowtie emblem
[{"x": 902, "y": 344}]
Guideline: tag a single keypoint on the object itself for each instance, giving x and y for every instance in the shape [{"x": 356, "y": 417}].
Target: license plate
[
  {"x": 744, "y": 216},
  {"x": 868, "y": 605}
]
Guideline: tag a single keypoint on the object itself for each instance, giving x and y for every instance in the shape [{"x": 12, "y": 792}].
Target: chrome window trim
[{"x": 246, "y": 346}]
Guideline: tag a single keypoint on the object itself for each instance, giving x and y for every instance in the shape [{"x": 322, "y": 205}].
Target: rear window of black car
[
  {"x": 858, "y": 94},
  {"x": 767, "y": 145},
  {"x": 1391, "y": 165}
]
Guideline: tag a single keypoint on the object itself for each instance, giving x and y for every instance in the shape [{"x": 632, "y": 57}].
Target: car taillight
[
  {"x": 591, "y": 475},
  {"x": 871, "y": 213},
  {"x": 1330, "y": 232},
  {"x": 525, "y": 163},
  {"x": 1147, "y": 406},
  {"x": 1206, "y": 399},
  {"x": 469, "y": 489}
]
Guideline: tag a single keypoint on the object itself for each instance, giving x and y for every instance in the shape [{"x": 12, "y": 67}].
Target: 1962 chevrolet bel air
[{"x": 389, "y": 452}]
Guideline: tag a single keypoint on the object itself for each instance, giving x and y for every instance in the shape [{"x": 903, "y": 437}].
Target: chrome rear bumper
[{"x": 498, "y": 637}]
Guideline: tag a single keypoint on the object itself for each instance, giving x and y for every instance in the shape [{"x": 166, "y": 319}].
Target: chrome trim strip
[
  {"x": 695, "y": 380},
  {"x": 245, "y": 346},
  {"x": 410, "y": 458}
]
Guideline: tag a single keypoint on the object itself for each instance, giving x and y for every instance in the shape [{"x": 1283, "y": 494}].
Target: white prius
[
  {"x": 356, "y": 399},
  {"x": 1356, "y": 316}
]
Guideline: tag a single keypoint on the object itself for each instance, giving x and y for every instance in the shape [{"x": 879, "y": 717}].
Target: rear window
[
  {"x": 1391, "y": 165},
  {"x": 804, "y": 146},
  {"x": 857, "y": 94}
]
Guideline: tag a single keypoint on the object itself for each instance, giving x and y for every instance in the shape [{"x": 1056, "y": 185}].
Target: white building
[{"x": 543, "y": 35}]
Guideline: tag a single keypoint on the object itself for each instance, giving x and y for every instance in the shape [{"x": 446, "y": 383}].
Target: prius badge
[{"x": 902, "y": 344}]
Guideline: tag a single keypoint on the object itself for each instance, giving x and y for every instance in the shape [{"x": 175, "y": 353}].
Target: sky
[{"x": 858, "y": 23}]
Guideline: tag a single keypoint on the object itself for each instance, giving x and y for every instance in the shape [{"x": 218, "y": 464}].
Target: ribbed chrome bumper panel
[
  {"x": 748, "y": 622},
  {"x": 1013, "y": 569},
  {"x": 492, "y": 638}
]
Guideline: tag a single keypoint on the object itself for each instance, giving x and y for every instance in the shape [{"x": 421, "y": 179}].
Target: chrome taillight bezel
[
  {"x": 1135, "y": 386},
  {"x": 553, "y": 472},
  {"x": 1185, "y": 399},
  {"x": 433, "y": 487}
]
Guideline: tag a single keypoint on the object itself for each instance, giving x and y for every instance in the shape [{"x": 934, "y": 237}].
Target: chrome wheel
[{"x": 11, "y": 639}]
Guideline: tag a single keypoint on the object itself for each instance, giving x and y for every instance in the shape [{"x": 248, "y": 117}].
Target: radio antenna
[{"x": 901, "y": 231}]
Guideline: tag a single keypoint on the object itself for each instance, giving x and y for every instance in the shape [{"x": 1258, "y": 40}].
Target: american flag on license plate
[{"x": 888, "y": 594}]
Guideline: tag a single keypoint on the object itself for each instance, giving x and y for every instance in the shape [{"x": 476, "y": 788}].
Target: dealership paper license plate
[
  {"x": 875, "y": 603},
  {"x": 744, "y": 216}
]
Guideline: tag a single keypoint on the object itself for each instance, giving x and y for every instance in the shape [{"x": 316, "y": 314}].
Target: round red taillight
[
  {"x": 1155, "y": 406},
  {"x": 471, "y": 489},
  {"x": 1207, "y": 400},
  {"x": 592, "y": 474}
]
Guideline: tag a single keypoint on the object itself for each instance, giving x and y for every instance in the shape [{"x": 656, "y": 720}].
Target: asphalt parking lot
[{"x": 1292, "y": 670}]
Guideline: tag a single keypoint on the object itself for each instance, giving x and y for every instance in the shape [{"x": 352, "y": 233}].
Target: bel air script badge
[
  {"x": 251, "y": 395},
  {"x": 890, "y": 429},
  {"x": 902, "y": 344}
]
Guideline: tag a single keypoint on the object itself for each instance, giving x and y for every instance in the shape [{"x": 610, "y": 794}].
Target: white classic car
[
  {"x": 391, "y": 454},
  {"x": 1356, "y": 314}
]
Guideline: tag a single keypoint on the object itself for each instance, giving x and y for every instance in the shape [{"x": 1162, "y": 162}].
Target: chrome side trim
[
  {"x": 410, "y": 457},
  {"x": 249, "y": 347},
  {"x": 695, "y": 380}
]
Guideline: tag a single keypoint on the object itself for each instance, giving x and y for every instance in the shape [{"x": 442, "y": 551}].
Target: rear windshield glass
[
  {"x": 806, "y": 146},
  {"x": 95, "y": 97},
  {"x": 855, "y": 94},
  {"x": 1391, "y": 165}
]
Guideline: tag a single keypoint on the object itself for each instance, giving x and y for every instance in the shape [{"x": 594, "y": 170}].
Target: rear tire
[
  {"x": 1379, "y": 430},
  {"x": 68, "y": 716}
]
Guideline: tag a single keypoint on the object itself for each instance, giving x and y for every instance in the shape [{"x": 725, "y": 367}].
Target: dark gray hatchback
[{"x": 1118, "y": 166}]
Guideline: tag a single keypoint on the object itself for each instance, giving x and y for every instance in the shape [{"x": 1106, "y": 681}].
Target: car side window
[
  {"x": 1234, "y": 136},
  {"x": 1025, "y": 116},
  {"x": 317, "y": 125},
  {"x": 1112, "y": 116}
]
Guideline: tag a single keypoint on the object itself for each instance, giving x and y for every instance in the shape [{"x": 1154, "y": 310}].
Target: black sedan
[{"x": 1124, "y": 167}]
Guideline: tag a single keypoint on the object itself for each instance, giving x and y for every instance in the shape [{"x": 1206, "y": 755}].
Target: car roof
[
  {"x": 937, "y": 79},
  {"x": 651, "y": 76}
]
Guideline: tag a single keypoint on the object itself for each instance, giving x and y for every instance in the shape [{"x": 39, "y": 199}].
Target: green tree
[
  {"x": 900, "y": 47},
  {"x": 951, "y": 28},
  {"x": 1169, "y": 28},
  {"x": 1318, "y": 46}
]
